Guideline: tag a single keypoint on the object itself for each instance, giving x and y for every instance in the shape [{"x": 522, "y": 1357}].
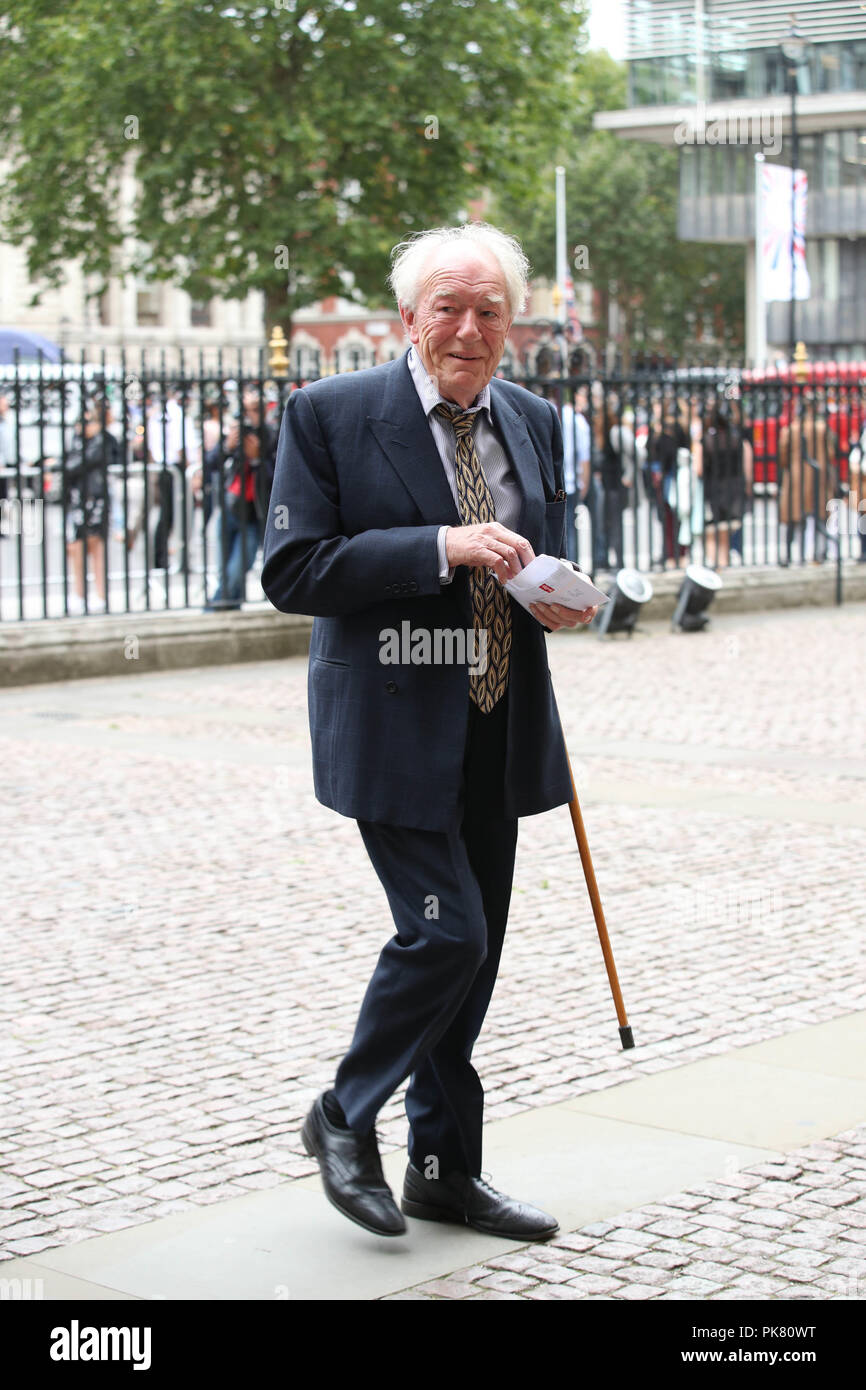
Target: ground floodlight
[
  {"x": 699, "y": 588},
  {"x": 631, "y": 590}
]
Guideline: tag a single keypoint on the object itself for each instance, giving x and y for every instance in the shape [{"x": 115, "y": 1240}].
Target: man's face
[{"x": 461, "y": 321}]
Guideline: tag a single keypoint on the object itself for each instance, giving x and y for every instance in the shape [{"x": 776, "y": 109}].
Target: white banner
[{"x": 776, "y": 187}]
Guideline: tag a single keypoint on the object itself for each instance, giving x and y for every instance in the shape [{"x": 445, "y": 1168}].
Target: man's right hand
[{"x": 488, "y": 546}]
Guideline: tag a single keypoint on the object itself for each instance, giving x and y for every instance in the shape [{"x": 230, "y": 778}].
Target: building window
[
  {"x": 729, "y": 75},
  {"x": 308, "y": 363},
  {"x": 148, "y": 306},
  {"x": 104, "y": 309},
  {"x": 807, "y": 159},
  {"x": 832, "y": 70},
  {"x": 831, "y": 161},
  {"x": 830, "y": 258},
  {"x": 850, "y": 159},
  {"x": 813, "y": 266},
  {"x": 352, "y": 357},
  {"x": 200, "y": 313},
  {"x": 643, "y": 84}
]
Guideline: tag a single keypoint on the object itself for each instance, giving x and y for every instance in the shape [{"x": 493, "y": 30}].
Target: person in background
[
  {"x": 736, "y": 546},
  {"x": 577, "y": 452},
  {"x": 601, "y": 449},
  {"x": 85, "y": 497},
  {"x": 205, "y": 480},
  {"x": 857, "y": 488},
  {"x": 239, "y": 530},
  {"x": 7, "y": 445},
  {"x": 613, "y": 462},
  {"x": 725, "y": 464},
  {"x": 666, "y": 436},
  {"x": 165, "y": 448},
  {"x": 804, "y": 488},
  {"x": 254, "y": 416}
]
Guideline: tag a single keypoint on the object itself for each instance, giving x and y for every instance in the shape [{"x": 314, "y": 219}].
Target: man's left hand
[{"x": 556, "y": 615}]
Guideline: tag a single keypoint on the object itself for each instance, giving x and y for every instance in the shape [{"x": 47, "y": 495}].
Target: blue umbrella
[{"x": 29, "y": 346}]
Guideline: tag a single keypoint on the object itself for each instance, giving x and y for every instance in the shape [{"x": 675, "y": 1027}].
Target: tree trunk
[{"x": 625, "y": 342}]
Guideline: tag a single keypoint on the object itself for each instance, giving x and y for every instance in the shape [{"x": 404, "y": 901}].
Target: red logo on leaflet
[{"x": 548, "y": 588}]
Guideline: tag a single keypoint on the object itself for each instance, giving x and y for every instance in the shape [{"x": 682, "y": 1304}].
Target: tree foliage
[
  {"x": 621, "y": 198},
  {"x": 330, "y": 128}
]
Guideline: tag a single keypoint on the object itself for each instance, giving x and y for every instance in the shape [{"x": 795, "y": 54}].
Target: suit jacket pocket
[{"x": 554, "y": 528}]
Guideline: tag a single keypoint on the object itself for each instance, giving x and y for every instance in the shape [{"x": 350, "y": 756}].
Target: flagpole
[
  {"x": 760, "y": 288},
  {"x": 561, "y": 265}
]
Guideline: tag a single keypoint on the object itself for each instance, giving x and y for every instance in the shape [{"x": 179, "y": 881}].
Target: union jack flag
[{"x": 776, "y": 196}]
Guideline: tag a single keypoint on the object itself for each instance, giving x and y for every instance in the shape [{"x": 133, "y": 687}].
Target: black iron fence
[{"x": 131, "y": 486}]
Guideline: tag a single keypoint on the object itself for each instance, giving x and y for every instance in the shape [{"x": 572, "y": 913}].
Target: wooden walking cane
[{"x": 625, "y": 1032}]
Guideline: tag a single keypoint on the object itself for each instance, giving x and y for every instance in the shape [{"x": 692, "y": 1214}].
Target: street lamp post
[{"x": 793, "y": 49}]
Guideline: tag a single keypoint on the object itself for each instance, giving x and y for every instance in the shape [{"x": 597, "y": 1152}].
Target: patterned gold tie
[{"x": 491, "y": 606}]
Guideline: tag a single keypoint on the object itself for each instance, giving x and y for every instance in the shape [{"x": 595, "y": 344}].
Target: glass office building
[{"x": 716, "y": 69}]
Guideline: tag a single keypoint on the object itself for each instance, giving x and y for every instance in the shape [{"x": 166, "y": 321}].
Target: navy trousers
[{"x": 421, "y": 1015}]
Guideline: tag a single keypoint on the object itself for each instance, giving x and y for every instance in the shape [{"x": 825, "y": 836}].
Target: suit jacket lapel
[
  {"x": 511, "y": 425},
  {"x": 403, "y": 432}
]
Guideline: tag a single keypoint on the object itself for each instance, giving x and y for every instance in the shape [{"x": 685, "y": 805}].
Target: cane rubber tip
[{"x": 626, "y": 1037}]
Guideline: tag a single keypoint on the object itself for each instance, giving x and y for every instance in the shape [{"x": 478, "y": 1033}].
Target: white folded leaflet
[{"x": 548, "y": 580}]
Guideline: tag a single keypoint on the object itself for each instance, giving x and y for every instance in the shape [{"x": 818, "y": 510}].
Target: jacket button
[{"x": 391, "y": 687}]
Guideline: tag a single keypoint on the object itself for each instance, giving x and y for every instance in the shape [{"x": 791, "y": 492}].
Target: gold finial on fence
[
  {"x": 278, "y": 362},
  {"x": 801, "y": 358}
]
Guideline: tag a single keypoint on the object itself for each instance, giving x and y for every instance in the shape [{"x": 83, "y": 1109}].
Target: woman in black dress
[
  {"x": 85, "y": 481},
  {"x": 726, "y": 466}
]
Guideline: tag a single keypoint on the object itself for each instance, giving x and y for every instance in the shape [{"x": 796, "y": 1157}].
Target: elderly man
[{"x": 403, "y": 496}]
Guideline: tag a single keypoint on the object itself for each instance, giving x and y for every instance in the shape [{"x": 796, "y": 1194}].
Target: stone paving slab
[
  {"x": 187, "y": 934},
  {"x": 793, "y": 1228},
  {"x": 611, "y": 1182}
]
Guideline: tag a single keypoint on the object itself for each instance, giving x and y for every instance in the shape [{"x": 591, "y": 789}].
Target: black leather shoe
[
  {"x": 352, "y": 1173},
  {"x": 473, "y": 1202}
]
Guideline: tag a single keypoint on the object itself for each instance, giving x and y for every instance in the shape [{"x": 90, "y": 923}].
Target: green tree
[
  {"x": 280, "y": 146},
  {"x": 622, "y": 205},
  {"x": 621, "y": 198}
]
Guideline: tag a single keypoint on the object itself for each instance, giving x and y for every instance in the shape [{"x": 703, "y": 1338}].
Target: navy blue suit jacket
[{"x": 358, "y": 497}]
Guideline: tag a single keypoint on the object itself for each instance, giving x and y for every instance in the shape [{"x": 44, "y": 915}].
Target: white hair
[{"x": 410, "y": 256}]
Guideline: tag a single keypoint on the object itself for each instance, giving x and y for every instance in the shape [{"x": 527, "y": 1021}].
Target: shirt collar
[{"x": 429, "y": 394}]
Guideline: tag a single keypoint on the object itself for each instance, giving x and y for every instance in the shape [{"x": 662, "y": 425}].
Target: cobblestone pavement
[
  {"x": 188, "y": 934},
  {"x": 795, "y": 1228}
]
